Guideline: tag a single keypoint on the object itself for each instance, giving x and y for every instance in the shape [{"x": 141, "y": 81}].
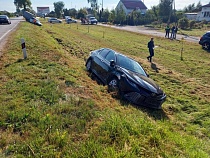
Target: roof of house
[
  {"x": 133, "y": 4},
  {"x": 207, "y": 5}
]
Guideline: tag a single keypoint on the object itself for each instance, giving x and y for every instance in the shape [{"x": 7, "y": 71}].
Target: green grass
[{"x": 50, "y": 107}]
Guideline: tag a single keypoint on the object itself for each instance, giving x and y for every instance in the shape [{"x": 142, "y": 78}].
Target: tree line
[{"x": 164, "y": 12}]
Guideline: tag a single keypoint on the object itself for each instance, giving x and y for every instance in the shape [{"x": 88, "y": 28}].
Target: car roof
[{"x": 3, "y": 16}]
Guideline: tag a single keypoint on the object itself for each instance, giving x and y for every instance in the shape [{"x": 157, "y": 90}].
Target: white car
[
  {"x": 69, "y": 20},
  {"x": 54, "y": 20}
]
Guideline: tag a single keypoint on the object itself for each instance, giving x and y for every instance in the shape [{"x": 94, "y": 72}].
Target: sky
[{"x": 9, "y": 6}]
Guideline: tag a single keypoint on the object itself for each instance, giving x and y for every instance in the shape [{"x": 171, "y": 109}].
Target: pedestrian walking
[
  {"x": 167, "y": 29},
  {"x": 151, "y": 46}
]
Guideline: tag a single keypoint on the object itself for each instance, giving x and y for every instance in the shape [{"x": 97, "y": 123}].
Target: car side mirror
[{"x": 112, "y": 63}]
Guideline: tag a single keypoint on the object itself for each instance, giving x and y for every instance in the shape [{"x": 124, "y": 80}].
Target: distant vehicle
[
  {"x": 4, "y": 19},
  {"x": 54, "y": 20},
  {"x": 205, "y": 41},
  {"x": 35, "y": 21},
  {"x": 89, "y": 19},
  {"x": 92, "y": 20},
  {"x": 125, "y": 77},
  {"x": 27, "y": 15},
  {"x": 69, "y": 20}
]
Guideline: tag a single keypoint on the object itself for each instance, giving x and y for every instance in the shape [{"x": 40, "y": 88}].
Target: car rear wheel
[
  {"x": 88, "y": 65},
  {"x": 113, "y": 85},
  {"x": 206, "y": 46}
]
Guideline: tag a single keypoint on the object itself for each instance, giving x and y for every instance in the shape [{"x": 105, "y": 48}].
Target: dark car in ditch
[
  {"x": 125, "y": 76},
  {"x": 205, "y": 41}
]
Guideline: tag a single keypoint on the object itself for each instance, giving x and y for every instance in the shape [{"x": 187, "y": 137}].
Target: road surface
[
  {"x": 6, "y": 29},
  {"x": 153, "y": 32}
]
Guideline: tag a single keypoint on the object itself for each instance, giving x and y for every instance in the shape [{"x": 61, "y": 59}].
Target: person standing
[
  {"x": 172, "y": 32},
  {"x": 167, "y": 29},
  {"x": 175, "y": 31},
  {"x": 151, "y": 46}
]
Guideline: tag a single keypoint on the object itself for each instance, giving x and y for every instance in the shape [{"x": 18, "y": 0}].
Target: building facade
[{"x": 130, "y": 5}]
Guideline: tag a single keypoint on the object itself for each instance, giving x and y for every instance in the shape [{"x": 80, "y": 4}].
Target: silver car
[{"x": 54, "y": 20}]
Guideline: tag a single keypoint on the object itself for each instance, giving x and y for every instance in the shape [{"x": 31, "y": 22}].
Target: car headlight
[{"x": 153, "y": 94}]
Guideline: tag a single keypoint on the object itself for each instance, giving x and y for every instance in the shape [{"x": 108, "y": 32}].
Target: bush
[
  {"x": 183, "y": 23},
  {"x": 192, "y": 23}
]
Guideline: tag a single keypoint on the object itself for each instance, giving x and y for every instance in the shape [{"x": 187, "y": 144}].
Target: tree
[
  {"x": 22, "y": 4},
  {"x": 105, "y": 15},
  {"x": 165, "y": 10},
  {"x": 93, "y": 3},
  {"x": 81, "y": 13},
  {"x": 183, "y": 23},
  {"x": 112, "y": 16},
  {"x": 120, "y": 15},
  {"x": 58, "y": 8},
  {"x": 192, "y": 8}
]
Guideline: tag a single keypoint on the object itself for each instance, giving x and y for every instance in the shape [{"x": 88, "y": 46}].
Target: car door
[
  {"x": 105, "y": 68},
  {"x": 98, "y": 62}
]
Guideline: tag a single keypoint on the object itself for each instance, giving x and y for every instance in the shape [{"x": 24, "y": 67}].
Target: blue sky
[{"x": 8, "y": 5}]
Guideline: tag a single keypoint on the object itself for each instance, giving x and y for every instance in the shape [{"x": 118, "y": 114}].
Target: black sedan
[
  {"x": 205, "y": 41},
  {"x": 4, "y": 19},
  {"x": 125, "y": 76}
]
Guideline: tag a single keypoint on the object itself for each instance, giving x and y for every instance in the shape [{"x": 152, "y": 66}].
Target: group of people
[{"x": 173, "y": 30}]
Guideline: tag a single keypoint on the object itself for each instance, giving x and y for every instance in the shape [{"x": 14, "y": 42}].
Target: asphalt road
[
  {"x": 154, "y": 32},
  {"x": 6, "y": 29}
]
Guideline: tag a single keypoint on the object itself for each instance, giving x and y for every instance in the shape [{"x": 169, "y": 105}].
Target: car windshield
[
  {"x": 130, "y": 64},
  {"x": 3, "y": 16},
  {"x": 92, "y": 18}
]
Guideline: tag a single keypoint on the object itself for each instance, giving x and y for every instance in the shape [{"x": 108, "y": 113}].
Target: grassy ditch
[{"x": 50, "y": 107}]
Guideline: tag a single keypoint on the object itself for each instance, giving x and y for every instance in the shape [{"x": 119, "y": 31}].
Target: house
[
  {"x": 130, "y": 5},
  {"x": 204, "y": 14},
  {"x": 191, "y": 16}
]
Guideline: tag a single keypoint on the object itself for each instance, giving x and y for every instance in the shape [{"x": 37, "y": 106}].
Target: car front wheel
[
  {"x": 88, "y": 65},
  {"x": 113, "y": 85},
  {"x": 206, "y": 46}
]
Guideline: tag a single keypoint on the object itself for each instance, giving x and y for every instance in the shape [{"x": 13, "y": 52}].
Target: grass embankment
[{"x": 50, "y": 107}]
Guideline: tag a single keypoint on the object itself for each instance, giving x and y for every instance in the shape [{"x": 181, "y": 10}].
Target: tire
[
  {"x": 113, "y": 85},
  {"x": 206, "y": 46},
  {"x": 88, "y": 65}
]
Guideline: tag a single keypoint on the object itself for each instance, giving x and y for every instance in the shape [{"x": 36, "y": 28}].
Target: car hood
[{"x": 143, "y": 81}]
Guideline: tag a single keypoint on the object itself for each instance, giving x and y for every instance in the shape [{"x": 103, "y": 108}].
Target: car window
[
  {"x": 130, "y": 64},
  {"x": 110, "y": 56},
  {"x": 104, "y": 52},
  {"x": 208, "y": 34}
]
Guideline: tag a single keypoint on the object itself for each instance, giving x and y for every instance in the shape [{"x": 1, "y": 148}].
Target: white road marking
[{"x": 8, "y": 32}]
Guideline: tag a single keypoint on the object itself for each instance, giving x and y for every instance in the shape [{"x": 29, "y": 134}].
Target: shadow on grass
[
  {"x": 156, "y": 114},
  {"x": 18, "y": 61},
  {"x": 154, "y": 67}
]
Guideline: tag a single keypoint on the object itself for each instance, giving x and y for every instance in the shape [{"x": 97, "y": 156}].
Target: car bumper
[
  {"x": 152, "y": 102},
  {"x": 201, "y": 43}
]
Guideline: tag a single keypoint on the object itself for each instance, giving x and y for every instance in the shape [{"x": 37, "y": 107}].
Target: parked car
[
  {"x": 54, "y": 20},
  {"x": 69, "y": 20},
  {"x": 205, "y": 41},
  {"x": 4, "y": 19},
  {"x": 126, "y": 77}
]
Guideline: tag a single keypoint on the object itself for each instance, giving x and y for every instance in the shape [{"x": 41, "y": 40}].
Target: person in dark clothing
[
  {"x": 175, "y": 32},
  {"x": 151, "y": 49},
  {"x": 172, "y": 32},
  {"x": 167, "y": 29}
]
